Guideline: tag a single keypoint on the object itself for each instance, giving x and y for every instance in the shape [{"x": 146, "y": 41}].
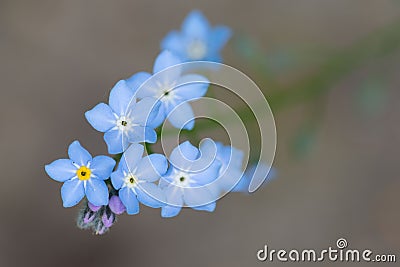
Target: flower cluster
[{"x": 191, "y": 176}]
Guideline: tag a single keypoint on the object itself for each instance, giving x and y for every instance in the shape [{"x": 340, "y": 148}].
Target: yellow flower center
[{"x": 83, "y": 173}]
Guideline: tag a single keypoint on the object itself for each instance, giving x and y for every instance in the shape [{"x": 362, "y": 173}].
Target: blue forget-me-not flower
[
  {"x": 197, "y": 40},
  {"x": 124, "y": 120},
  {"x": 186, "y": 180},
  {"x": 135, "y": 177},
  {"x": 173, "y": 89},
  {"x": 82, "y": 175}
]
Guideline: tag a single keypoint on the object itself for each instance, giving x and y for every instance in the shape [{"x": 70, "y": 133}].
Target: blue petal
[
  {"x": 164, "y": 60},
  {"x": 250, "y": 175},
  {"x": 182, "y": 116},
  {"x": 228, "y": 179},
  {"x": 219, "y": 37},
  {"x": 120, "y": 98},
  {"x": 173, "y": 195},
  {"x": 173, "y": 42},
  {"x": 236, "y": 157},
  {"x": 145, "y": 111},
  {"x": 117, "y": 178},
  {"x": 61, "y": 170},
  {"x": 260, "y": 176},
  {"x": 214, "y": 57},
  {"x": 137, "y": 79},
  {"x": 150, "y": 195},
  {"x": 102, "y": 166},
  {"x": 97, "y": 192},
  {"x": 159, "y": 118},
  {"x": 208, "y": 175},
  {"x": 78, "y": 154},
  {"x": 191, "y": 86},
  {"x": 182, "y": 156},
  {"x": 151, "y": 88},
  {"x": 230, "y": 157},
  {"x": 168, "y": 178},
  {"x": 132, "y": 156},
  {"x": 198, "y": 196},
  {"x": 231, "y": 168},
  {"x": 72, "y": 192},
  {"x": 170, "y": 211},
  {"x": 196, "y": 25},
  {"x": 116, "y": 141},
  {"x": 209, "y": 207},
  {"x": 208, "y": 154},
  {"x": 152, "y": 167},
  {"x": 138, "y": 134},
  {"x": 129, "y": 200},
  {"x": 101, "y": 117}
]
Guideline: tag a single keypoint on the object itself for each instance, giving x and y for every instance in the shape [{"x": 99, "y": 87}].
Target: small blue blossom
[
  {"x": 135, "y": 177},
  {"x": 197, "y": 40},
  {"x": 186, "y": 180},
  {"x": 124, "y": 120},
  {"x": 82, "y": 175},
  {"x": 173, "y": 89}
]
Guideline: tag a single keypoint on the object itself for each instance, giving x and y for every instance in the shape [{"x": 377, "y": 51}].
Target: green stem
[{"x": 148, "y": 148}]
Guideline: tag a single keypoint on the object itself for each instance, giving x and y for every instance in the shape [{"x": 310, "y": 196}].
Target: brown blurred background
[{"x": 338, "y": 171}]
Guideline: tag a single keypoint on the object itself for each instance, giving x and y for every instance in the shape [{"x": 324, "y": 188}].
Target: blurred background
[{"x": 330, "y": 70}]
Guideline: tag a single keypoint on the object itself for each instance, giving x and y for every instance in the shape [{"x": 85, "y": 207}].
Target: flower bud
[
  {"x": 86, "y": 218},
  {"x": 108, "y": 217},
  {"x": 94, "y": 208},
  {"x": 116, "y": 205}
]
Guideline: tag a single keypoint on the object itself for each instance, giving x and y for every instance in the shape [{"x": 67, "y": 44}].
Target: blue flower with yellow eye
[
  {"x": 135, "y": 177},
  {"x": 172, "y": 88},
  {"x": 82, "y": 175},
  {"x": 123, "y": 120},
  {"x": 197, "y": 40}
]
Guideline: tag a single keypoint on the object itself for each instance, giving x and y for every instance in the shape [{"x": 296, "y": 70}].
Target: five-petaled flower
[
  {"x": 172, "y": 88},
  {"x": 135, "y": 177},
  {"x": 197, "y": 40},
  {"x": 187, "y": 179},
  {"x": 124, "y": 120},
  {"x": 82, "y": 175}
]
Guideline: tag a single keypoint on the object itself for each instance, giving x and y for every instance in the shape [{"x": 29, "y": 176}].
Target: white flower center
[
  {"x": 182, "y": 179},
  {"x": 166, "y": 91},
  {"x": 123, "y": 123},
  {"x": 196, "y": 50},
  {"x": 130, "y": 180}
]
